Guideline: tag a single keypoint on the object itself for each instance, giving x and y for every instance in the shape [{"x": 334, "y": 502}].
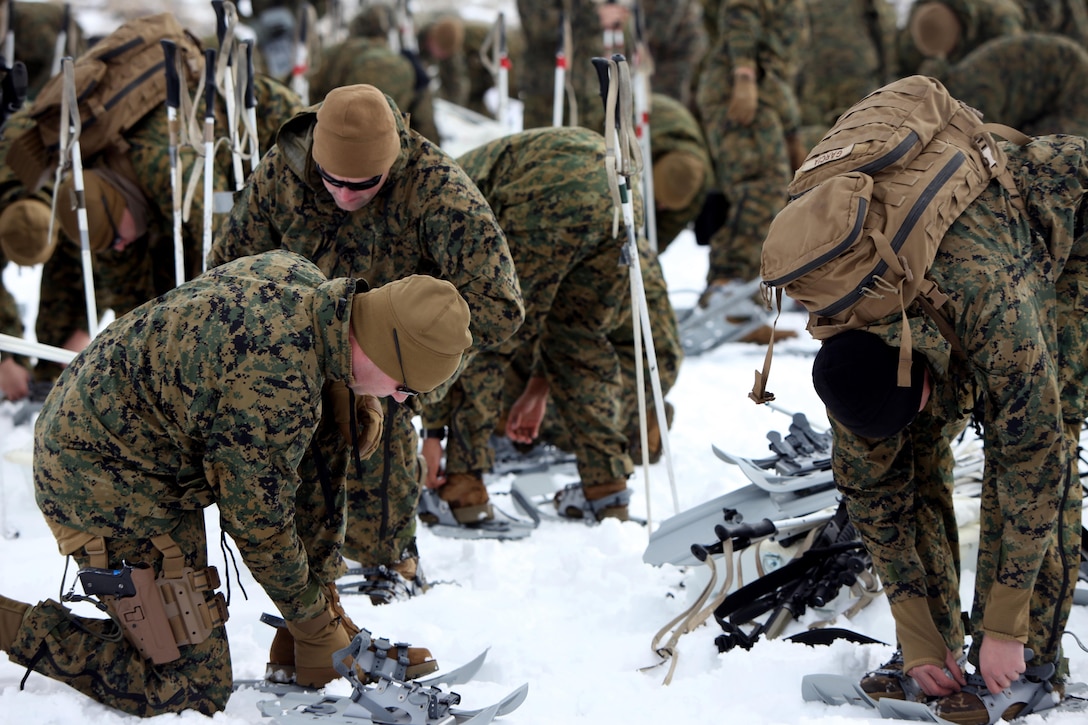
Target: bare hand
[
  {"x": 527, "y": 413},
  {"x": 432, "y": 454},
  {"x": 1000, "y": 662},
  {"x": 936, "y": 681},
  {"x": 14, "y": 380}
]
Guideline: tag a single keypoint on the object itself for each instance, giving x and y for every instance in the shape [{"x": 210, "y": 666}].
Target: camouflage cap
[
  {"x": 678, "y": 177},
  {"x": 105, "y": 206},
  {"x": 855, "y": 375},
  {"x": 935, "y": 29},
  {"x": 446, "y": 36},
  {"x": 356, "y": 135},
  {"x": 24, "y": 232},
  {"x": 430, "y": 320}
]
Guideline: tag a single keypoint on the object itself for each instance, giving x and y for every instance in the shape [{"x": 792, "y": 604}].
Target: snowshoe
[
  {"x": 727, "y": 313},
  {"x": 383, "y": 584},
  {"x": 440, "y": 519}
]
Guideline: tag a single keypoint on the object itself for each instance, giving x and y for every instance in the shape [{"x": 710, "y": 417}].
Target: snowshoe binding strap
[
  {"x": 571, "y": 502},
  {"x": 1033, "y": 692}
]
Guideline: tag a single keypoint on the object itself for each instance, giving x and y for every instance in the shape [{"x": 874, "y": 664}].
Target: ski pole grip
[
  {"x": 220, "y": 20},
  {"x": 209, "y": 83},
  {"x": 251, "y": 96},
  {"x": 601, "y": 64},
  {"x": 742, "y": 534},
  {"x": 173, "y": 83}
]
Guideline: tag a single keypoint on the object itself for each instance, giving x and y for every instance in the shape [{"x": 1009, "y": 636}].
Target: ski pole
[
  {"x": 641, "y": 74},
  {"x": 560, "y": 71},
  {"x": 300, "y": 84},
  {"x": 70, "y": 128},
  {"x": 12, "y": 92},
  {"x": 503, "y": 62},
  {"x": 623, "y": 159},
  {"x": 209, "y": 152},
  {"x": 224, "y": 29},
  {"x": 173, "y": 101},
  {"x": 251, "y": 109},
  {"x": 8, "y": 46},
  {"x": 407, "y": 28},
  {"x": 60, "y": 47}
]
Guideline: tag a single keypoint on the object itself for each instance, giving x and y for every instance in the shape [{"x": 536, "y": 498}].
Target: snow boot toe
[{"x": 594, "y": 502}]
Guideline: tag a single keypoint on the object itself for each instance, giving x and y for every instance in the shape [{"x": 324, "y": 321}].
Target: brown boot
[
  {"x": 762, "y": 335},
  {"x": 12, "y": 614},
  {"x": 653, "y": 435},
  {"x": 467, "y": 497},
  {"x": 576, "y": 499},
  {"x": 281, "y": 658},
  {"x": 887, "y": 680}
]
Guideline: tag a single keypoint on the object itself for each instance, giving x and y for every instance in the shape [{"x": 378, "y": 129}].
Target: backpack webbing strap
[{"x": 759, "y": 394}]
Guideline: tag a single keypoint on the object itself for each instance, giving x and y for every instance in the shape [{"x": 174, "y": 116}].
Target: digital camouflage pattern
[
  {"x": 549, "y": 190},
  {"x": 210, "y": 394},
  {"x": 677, "y": 39},
  {"x": 370, "y": 60},
  {"x": 751, "y": 162},
  {"x": 980, "y": 20},
  {"x": 1033, "y": 82},
  {"x": 851, "y": 51},
  {"x": 469, "y": 79},
  {"x": 1015, "y": 282},
  {"x": 1064, "y": 17},
  {"x": 35, "y": 26},
  {"x": 144, "y": 269},
  {"x": 428, "y": 218},
  {"x": 674, "y": 128}
]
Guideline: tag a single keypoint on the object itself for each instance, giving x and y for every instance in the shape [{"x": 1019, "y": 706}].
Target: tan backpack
[
  {"x": 117, "y": 82},
  {"x": 870, "y": 205}
]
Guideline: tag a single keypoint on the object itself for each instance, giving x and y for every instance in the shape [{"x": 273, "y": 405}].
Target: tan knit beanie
[
  {"x": 105, "y": 205},
  {"x": 431, "y": 320},
  {"x": 678, "y": 177},
  {"x": 24, "y": 232},
  {"x": 356, "y": 135},
  {"x": 447, "y": 35},
  {"x": 935, "y": 30}
]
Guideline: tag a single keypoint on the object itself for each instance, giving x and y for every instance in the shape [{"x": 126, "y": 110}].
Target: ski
[
  {"x": 440, "y": 519},
  {"x": 388, "y": 702},
  {"x": 457, "y": 676},
  {"x": 727, "y": 317}
]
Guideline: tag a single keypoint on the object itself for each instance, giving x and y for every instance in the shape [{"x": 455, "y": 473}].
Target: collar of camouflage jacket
[
  {"x": 295, "y": 140},
  {"x": 332, "y": 323}
]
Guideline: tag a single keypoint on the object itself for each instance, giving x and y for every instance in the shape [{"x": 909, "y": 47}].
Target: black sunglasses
[
  {"x": 349, "y": 185},
  {"x": 402, "y": 389}
]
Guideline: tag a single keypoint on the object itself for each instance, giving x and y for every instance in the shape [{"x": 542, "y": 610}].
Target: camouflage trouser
[
  {"x": 917, "y": 491},
  {"x": 567, "y": 319},
  {"x": 753, "y": 171},
  {"x": 382, "y": 501},
  {"x": 90, "y": 655}
]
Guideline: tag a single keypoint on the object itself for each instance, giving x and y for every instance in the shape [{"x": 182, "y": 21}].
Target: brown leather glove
[
  {"x": 744, "y": 100},
  {"x": 316, "y": 640},
  {"x": 369, "y": 417}
]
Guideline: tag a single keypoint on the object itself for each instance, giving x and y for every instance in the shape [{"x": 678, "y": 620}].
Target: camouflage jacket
[
  {"x": 428, "y": 218},
  {"x": 998, "y": 267},
  {"x": 207, "y": 395},
  {"x": 768, "y": 35}
]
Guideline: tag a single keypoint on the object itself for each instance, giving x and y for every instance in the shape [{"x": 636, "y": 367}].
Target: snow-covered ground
[{"x": 571, "y": 610}]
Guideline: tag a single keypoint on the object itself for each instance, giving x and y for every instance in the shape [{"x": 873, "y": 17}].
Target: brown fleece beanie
[
  {"x": 431, "y": 320},
  {"x": 448, "y": 35},
  {"x": 24, "y": 232},
  {"x": 105, "y": 205},
  {"x": 356, "y": 135},
  {"x": 935, "y": 30},
  {"x": 678, "y": 177}
]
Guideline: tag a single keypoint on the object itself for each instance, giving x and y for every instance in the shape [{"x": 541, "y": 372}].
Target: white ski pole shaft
[
  {"x": 560, "y": 72},
  {"x": 19, "y": 346},
  {"x": 226, "y": 55},
  {"x": 84, "y": 239},
  {"x": 9, "y": 34},
  {"x": 251, "y": 109},
  {"x": 173, "y": 101},
  {"x": 60, "y": 47},
  {"x": 300, "y": 84},
  {"x": 209, "y": 152},
  {"x": 504, "y": 76}
]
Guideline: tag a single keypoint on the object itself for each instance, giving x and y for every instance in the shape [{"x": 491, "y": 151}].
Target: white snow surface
[{"x": 571, "y": 610}]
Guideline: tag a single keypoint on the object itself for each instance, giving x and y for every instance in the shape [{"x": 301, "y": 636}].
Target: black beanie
[{"x": 855, "y": 374}]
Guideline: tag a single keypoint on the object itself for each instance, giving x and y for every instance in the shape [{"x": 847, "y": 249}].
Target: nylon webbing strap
[
  {"x": 173, "y": 560},
  {"x": 96, "y": 552}
]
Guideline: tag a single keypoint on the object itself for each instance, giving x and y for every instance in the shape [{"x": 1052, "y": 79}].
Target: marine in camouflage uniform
[
  {"x": 428, "y": 218},
  {"x": 1015, "y": 282},
  {"x": 851, "y": 51},
  {"x": 35, "y": 26},
  {"x": 673, "y": 129},
  {"x": 752, "y": 161},
  {"x": 164, "y": 413},
  {"x": 144, "y": 269},
  {"x": 549, "y": 189},
  {"x": 370, "y": 60},
  {"x": 476, "y": 72},
  {"x": 1064, "y": 17},
  {"x": 677, "y": 40},
  {"x": 1033, "y": 82},
  {"x": 979, "y": 21}
]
